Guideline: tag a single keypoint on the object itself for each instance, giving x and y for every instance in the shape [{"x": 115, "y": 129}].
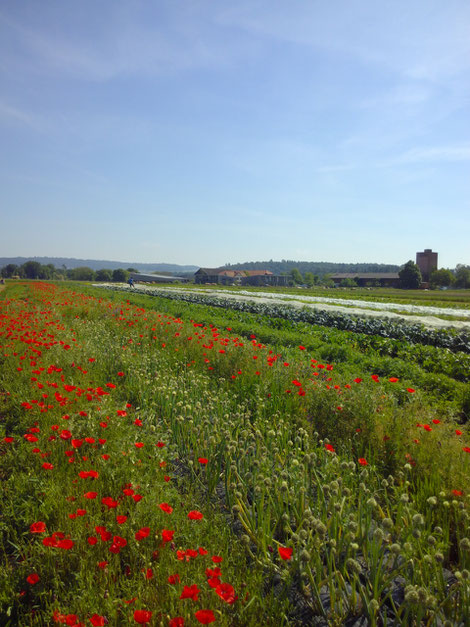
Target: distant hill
[
  {"x": 316, "y": 267},
  {"x": 96, "y": 264}
]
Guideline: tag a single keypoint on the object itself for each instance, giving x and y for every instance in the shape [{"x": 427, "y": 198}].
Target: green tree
[
  {"x": 310, "y": 279},
  {"x": 296, "y": 276},
  {"x": 9, "y": 270},
  {"x": 104, "y": 275},
  {"x": 120, "y": 275},
  {"x": 83, "y": 273},
  {"x": 462, "y": 275},
  {"x": 327, "y": 282},
  {"x": 410, "y": 276},
  {"x": 31, "y": 269},
  {"x": 441, "y": 278}
]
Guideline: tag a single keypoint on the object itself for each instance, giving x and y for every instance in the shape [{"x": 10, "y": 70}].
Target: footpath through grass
[{"x": 162, "y": 470}]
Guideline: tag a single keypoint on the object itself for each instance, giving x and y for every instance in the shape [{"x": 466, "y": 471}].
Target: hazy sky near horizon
[{"x": 204, "y": 132}]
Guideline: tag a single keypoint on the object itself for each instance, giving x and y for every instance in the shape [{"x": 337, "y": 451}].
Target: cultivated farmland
[{"x": 167, "y": 459}]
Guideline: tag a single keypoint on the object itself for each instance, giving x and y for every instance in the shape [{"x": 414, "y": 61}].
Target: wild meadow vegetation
[{"x": 177, "y": 463}]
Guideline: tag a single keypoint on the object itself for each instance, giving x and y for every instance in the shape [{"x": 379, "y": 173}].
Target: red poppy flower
[
  {"x": 329, "y": 448},
  {"x": 362, "y": 461},
  {"x": 109, "y": 502},
  {"x": 358, "y": 380},
  {"x": 38, "y": 527},
  {"x": 98, "y": 621},
  {"x": 393, "y": 379},
  {"x": 178, "y": 621},
  {"x": 457, "y": 492},
  {"x": 90, "y": 495},
  {"x": 32, "y": 579},
  {"x": 410, "y": 390},
  {"x": 142, "y": 533},
  {"x": 466, "y": 449},
  {"x": 217, "y": 559},
  {"x": 142, "y": 616},
  {"x": 105, "y": 535},
  {"x": 205, "y": 616},
  {"x": 167, "y": 535},
  {"x": 121, "y": 519},
  {"x": 88, "y": 474},
  {"x": 285, "y": 553},
  {"x": 166, "y": 508},
  {"x": 120, "y": 374},
  {"x": 190, "y": 592},
  {"x": 227, "y": 593},
  {"x": 48, "y": 466},
  {"x": 195, "y": 515},
  {"x": 174, "y": 579},
  {"x": 65, "y": 544},
  {"x": 458, "y": 432},
  {"x": 203, "y": 460},
  {"x": 119, "y": 541}
]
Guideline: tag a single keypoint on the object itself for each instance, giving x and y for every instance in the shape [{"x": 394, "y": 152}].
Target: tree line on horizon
[
  {"x": 410, "y": 275},
  {"x": 36, "y": 270},
  {"x": 319, "y": 268}
]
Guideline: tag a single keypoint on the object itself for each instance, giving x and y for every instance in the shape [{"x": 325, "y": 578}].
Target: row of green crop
[
  {"x": 442, "y": 374},
  {"x": 413, "y": 333}
]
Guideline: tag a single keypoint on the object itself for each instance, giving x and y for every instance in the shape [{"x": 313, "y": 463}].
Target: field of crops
[{"x": 173, "y": 461}]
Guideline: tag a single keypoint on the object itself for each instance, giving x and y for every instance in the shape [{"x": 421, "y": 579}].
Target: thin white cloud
[
  {"x": 435, "y": 154},
  {"x": 424, "y": 155},
  {"x": 420, "y": 39},
  {"x": 128, "y": 41},
  {"x": 404, "y": 95},
  {"x": 10, "y": 114}
]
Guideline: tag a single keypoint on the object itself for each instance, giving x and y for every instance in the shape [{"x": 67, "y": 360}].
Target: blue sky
[{"x": 208, "y": 131}]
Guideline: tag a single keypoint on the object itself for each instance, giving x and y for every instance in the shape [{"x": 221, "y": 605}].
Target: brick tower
[{"x": 426, "y": 262}]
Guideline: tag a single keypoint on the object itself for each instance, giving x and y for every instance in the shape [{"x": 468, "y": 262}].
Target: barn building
[{"x": 222, "y": 276}]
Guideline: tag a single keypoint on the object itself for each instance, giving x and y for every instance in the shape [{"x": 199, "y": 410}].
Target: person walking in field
[{"x": 131, "y": 282}]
